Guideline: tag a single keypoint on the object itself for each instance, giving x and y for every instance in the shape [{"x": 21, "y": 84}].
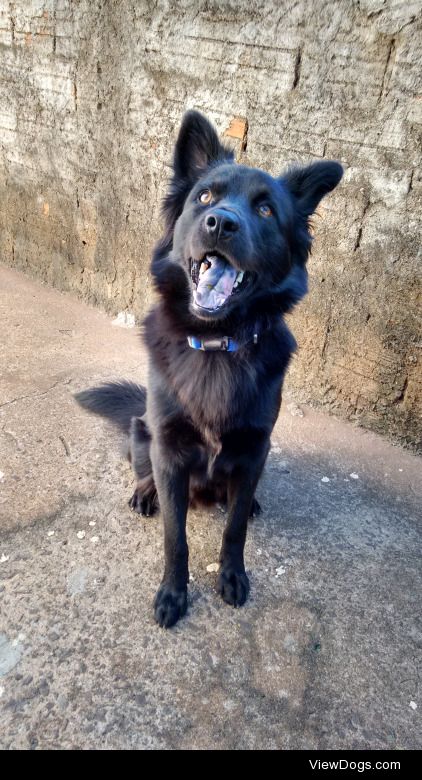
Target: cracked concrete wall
[{"x": 91, "y": 96}]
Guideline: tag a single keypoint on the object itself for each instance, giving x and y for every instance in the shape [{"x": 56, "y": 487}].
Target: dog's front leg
[
  {"x": 233, "y": 583},
  {"x": 172, "y": 482}
]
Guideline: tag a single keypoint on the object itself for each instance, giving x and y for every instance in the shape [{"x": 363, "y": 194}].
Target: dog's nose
[{"x": 221, "y": 223}]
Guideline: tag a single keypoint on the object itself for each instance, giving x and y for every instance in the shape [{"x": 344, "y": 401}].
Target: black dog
[{"x": 231, "y": 263}]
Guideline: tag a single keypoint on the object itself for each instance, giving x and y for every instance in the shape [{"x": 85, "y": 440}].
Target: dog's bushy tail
[{"x": 117, "y": 401}]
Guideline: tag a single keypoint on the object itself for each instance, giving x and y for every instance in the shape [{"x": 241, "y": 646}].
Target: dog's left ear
[
  {"x": 197, "y": 147},
  {"x": 309, "y": 184}
]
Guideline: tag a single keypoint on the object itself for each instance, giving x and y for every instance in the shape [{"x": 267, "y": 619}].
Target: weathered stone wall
[{"x": 92, "y": 93}]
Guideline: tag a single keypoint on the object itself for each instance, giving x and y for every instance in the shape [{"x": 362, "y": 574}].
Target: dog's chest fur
[
  {"x": 217, "y": 391},
  {"x": 214, "y": 389}
]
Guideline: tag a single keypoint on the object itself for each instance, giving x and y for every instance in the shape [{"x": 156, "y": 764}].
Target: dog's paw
[
  {"x": 146, "y": 505},
  {"x": 170, "y": 605},
  {"x": 233, "y": 585}
]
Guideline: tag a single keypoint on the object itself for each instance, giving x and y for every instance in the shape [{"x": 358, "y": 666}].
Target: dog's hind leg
[{"x": 144, "y": 500}]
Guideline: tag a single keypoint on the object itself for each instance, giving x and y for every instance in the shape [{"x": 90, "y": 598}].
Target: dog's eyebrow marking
[
  {"x": 260, "y": 194},
  {"x": 218, "y": 186}
]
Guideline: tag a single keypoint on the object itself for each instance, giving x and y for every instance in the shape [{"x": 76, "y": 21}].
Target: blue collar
[{"x": 218, "y": 344}]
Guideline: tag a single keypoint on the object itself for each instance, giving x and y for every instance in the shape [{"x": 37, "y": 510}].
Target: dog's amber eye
[
  {"x": 205, "y": 197},
  {"x": 264, "y": 210}
]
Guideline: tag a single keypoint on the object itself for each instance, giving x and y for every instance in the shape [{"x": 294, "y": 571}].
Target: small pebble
[
  {"x": 50, "y": 533},
  {"x": 1, "y": 475},
  {"x": 325, "y": 479},
  {"x": 4, "y": 558},
  {"x": 413, "y": 705},
  {"x": 92, "y": 523},
  {"x": 81, "y": 534},
  {"x": 213, "y": 567},
  {"x": 1, "y": 691},
  {"x": 294, "y": 410},
  {"x": 353, "y": 475},
  {"x": 124, "y": 319},
  {"x": 280, "y": 571},
  {"x": 95, "y": 539}
]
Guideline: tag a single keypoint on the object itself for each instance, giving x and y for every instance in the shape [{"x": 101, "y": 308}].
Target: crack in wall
[
  {"x": 359, "y": 236},
  {"x": 75, "y": 86},
  {"x": 12, "y": 22},
  {"x": 400, "y": 398},
  {"x": 244, "y": 141},
  {"x": 326, "y": 335},
  {"x": 298, "y": 65},
  {"x": 54, "y": 29},
  {"x": 388, "y": 69}
]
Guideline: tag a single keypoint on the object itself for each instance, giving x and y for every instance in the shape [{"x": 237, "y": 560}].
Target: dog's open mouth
[{"x": 215, "y": 281}]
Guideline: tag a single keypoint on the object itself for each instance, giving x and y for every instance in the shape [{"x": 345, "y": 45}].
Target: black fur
[
  {"x": 205, "y": 433},
  {"x": 117, "y": 401}
]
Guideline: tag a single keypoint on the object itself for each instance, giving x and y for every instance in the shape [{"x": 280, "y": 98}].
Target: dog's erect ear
[
  {"x": 310, "y": 183},
  {"x": 197, "y": 147}
]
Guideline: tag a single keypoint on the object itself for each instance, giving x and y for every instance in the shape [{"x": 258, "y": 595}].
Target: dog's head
[{"x": 239, "y": 234}]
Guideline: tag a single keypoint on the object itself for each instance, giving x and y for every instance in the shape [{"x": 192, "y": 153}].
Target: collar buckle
[
  {"x": 219, "y": 344},
  {"x": 215, "y": 345}
]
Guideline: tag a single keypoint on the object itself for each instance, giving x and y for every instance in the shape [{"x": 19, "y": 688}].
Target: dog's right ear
[{"x": 197, "y": 147}]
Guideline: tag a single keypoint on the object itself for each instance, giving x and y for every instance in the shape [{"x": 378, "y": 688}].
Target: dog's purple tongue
[{"x": 215, "y": 284}]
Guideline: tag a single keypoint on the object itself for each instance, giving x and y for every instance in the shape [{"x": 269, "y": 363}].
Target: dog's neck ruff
[{"x": 219, "y": 343}]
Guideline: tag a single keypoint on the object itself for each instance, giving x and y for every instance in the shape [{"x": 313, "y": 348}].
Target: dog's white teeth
[
  {"x": 239, "y": 279},
  {"x": 205, "y": 265}
]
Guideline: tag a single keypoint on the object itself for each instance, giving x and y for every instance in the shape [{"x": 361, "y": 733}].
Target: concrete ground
[{"x": 323, "y": 655}]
